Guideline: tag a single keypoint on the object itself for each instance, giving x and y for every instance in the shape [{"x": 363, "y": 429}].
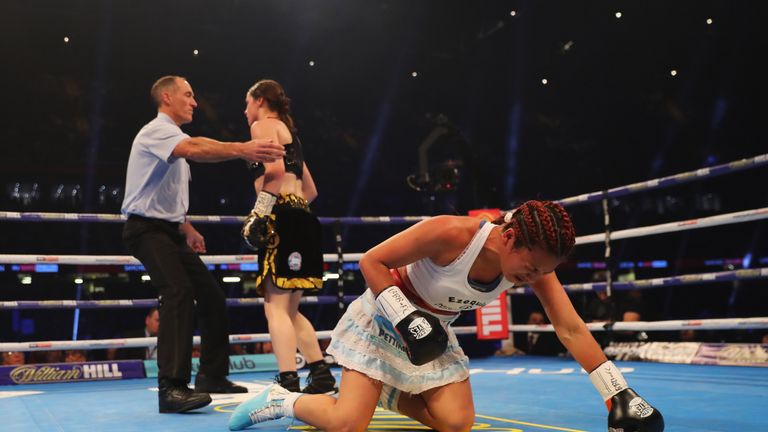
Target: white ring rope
[
  {"x": 129, "y": 260},
  {"x": 231, "y": 220},
  {"x": 127, "y": 343},
  {"x": 723, "y": 219},
  {"x": 672, "y": 180},
  {"x": 687, "y": 279},
  {"x": 669, "y": 325},
  {"x": 706, "y": 324},
  {"x": 148, "y": 303},
  {"x": 652, "y": 184}
]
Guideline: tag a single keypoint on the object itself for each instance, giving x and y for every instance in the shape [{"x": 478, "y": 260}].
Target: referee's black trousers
[{"x": 181, "y": 279}]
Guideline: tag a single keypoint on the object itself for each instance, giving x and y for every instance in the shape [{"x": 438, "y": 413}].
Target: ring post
[
  {"x": 76, "y": 317},
  {"x": 608, "y": 267},
  {"x": 340, "y": 270}
]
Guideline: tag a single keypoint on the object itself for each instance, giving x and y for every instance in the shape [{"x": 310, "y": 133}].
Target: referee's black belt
[{"x": 139, "y": 218}]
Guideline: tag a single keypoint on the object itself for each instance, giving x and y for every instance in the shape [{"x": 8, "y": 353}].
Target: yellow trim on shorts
[
  {"x": 298, "y": 283},
  {"x": 293, "y": 200}
]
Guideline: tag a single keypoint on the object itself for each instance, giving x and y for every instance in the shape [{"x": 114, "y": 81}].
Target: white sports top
[{"x": 449, "y": 288}]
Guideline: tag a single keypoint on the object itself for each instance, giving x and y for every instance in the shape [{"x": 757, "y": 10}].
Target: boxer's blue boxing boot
[{"x": 272, "y": 403}]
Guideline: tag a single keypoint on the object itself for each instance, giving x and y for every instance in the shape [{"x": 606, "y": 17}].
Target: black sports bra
[
  {"x": 294, "y": 157},
  {"x": 293, "y": 160}
]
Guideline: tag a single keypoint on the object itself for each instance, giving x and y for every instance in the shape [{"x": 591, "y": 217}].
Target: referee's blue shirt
[{"x": 157, "y": 184}]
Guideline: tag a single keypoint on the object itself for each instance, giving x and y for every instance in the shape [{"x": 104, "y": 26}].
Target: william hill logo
[
  {"x": 34, "y": 374},
  {"x": 44, "y": 374}
]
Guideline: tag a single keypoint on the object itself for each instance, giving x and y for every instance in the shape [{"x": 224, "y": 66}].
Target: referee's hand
[{"x": 262, "y": 150}]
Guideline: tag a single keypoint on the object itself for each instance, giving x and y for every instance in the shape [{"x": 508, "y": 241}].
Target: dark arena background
[{"x": 650, "y": 112}]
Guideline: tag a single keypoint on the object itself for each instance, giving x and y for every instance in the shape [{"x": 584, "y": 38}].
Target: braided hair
[{"x": 543, "y": 224}]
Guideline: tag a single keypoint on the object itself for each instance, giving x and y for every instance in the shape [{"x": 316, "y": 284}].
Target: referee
[{"x": 157, "y": 233}]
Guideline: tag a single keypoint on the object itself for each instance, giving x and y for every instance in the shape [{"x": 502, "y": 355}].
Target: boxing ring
[{"x": 511, "y": 393}]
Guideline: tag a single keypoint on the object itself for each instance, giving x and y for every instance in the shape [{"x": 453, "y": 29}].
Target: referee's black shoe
[
  {"x": 175, "y": 397},
  {"x": 211, "y": 384}
]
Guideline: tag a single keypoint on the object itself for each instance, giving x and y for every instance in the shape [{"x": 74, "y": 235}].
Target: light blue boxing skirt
[{"x": 367, "y": 342}]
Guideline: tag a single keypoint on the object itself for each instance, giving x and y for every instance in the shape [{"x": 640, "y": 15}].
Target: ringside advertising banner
[
  {"x": 237, "y": 364},
  {"x": 71, "y": 372},
  {"x": 492, "y": 320},
  {"x": 724, "y": 354},
  {"x": 732, "y": 354}
]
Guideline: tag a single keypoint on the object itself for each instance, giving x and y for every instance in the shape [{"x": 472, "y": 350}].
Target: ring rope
[
  {"x": 658, "y": 183},
  {"x": 129, "y": 260},
  {"x": 723, "y": 219},
  {"x": 717, "y": 220},
  {"x": 205, "y": 219},
  {"x": 127, "y": 343},
  {"x": 672, "y": 180},
  {"x": 672, "y": 325},
  {"x": 147, "y": 303},
  {"x": 690, "y": 279},
  {"x": 669, "y": 325}
]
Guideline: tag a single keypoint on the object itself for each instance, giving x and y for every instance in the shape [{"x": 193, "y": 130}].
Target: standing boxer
[{"x": 287, "y": 236}]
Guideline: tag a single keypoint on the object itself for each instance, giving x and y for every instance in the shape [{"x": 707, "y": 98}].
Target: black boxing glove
[
  {"x": 259, "y": 227},
  {"x": 627, "y": 411},
  {"x": 424, "y": 337},
  {"x": 257, "y": 169}
]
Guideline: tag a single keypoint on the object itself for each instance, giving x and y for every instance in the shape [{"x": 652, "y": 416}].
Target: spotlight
[
  {"x": 311, "y": 62},
  {"x": 544, "y": 81},
  {"x": 195, "y": 52},
  {"x": 66, "y": 39},
  {"x": 26, "y": 194},
  {"x": 709, "y": 21},
  {"x": 618, "y": 14},
  {"x": 673, "y": 72},
  {"x": 512, "y": 13},
  {"x": 414, "y": 74}
]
